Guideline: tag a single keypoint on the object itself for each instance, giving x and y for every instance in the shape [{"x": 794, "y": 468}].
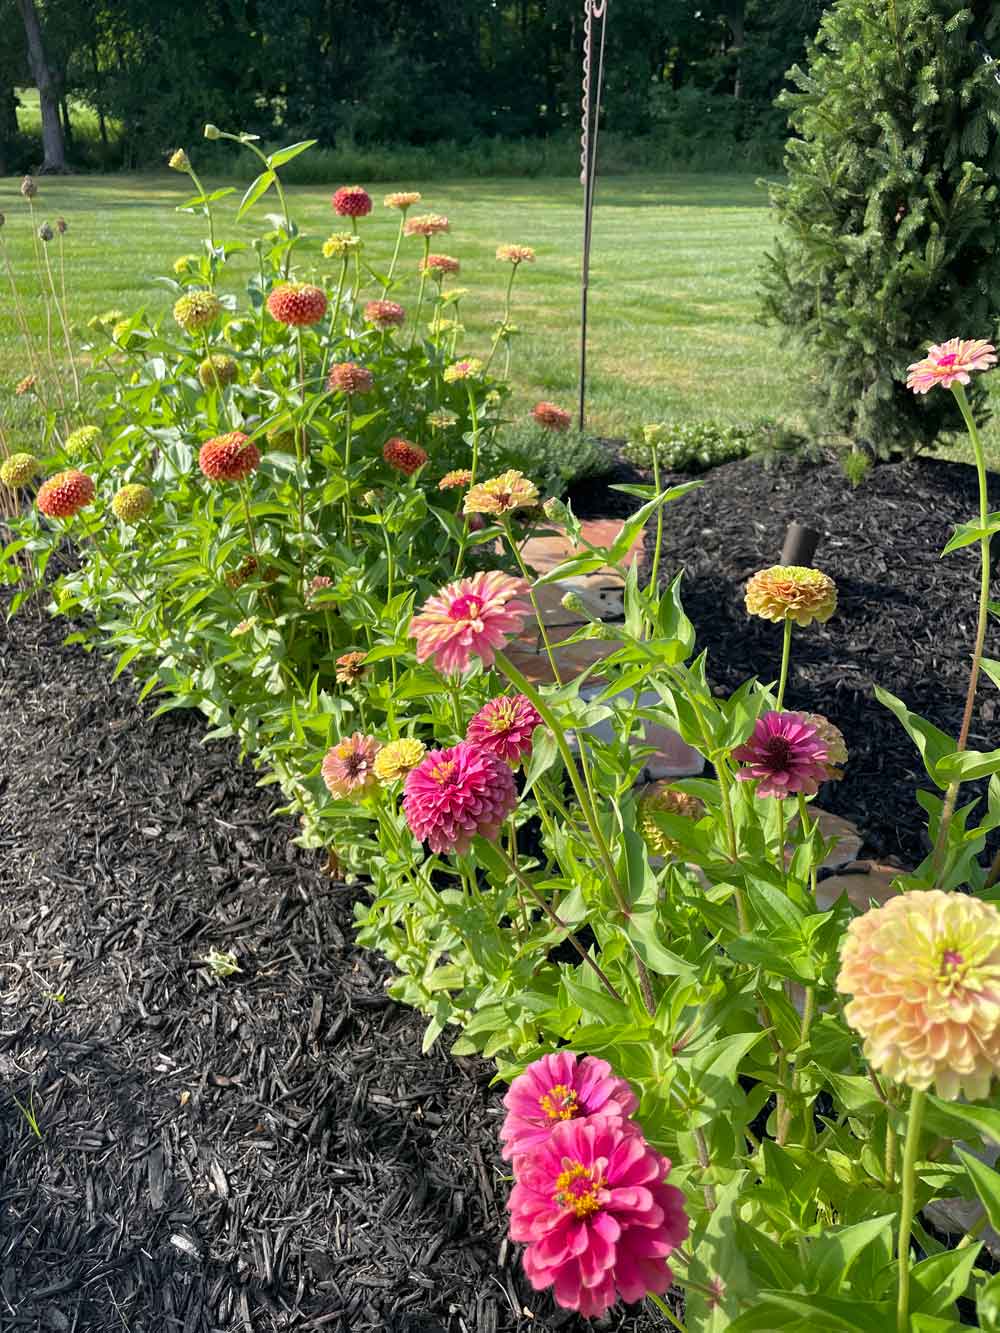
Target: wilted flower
[
  {"x": 28, "y": 188},
  {"x": 348, "y": 769},
  {"x": 384, "y": 314},
  {"x": 455, "y": 795},
  {"x": 470, "y": 618},
  {"x": 45, "y": 232},
  {"x": 946, "y": 363},
  {"x": 593, "y": 1206},
  {"x": 791, "y": 592},
  {"x": 402, "y": 199},
  {"x": 504, "y": 727},
  {"x": 350, "y": 668},
  {"x": 404, "y": 456},
  {"x": 340, "y": 244},
  {"x": 297, "y": 303},
  {"x": 26, "y": 385},
  {"x": 229, "y": 457},
  {"x": 132, "y": 502},
  {"x": 218, "y": 370},
  {"x": 662, "y": 798},
  {"x": 426, "y": 224},
  {"x": 19, "y": 470},
  {"x": 350, "y": 378},
  {"x": 559, "y": 1087},
  {"x": 81, "y": 442},
  {"x": 442, "y": 420},
  {"x": 551, "y": 417},
  {"x": 61, "y": 225},
  {"x": 245, "y": 570},
  {"x": 784, "y": 754},
  {"x": 516, "y": 254},
  {"x": 462, "y": 370},
  {"x": 396, "y": 759},
  {"x": 833, "y": 738},
  {"x": 459, "y": 477},
  {"x": 179, "y": 160},
  {"x": 924, "y": 971},
  {"x": 65, "y": 494},
  {"x": 197, "y": 310},
  {"x": 439, "y": 265},
  {"x": 500, "y": 495},
  {"x": 351, "y": 201}
]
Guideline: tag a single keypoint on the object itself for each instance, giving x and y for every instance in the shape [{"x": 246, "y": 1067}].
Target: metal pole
[{"x": 594, "y": 11}]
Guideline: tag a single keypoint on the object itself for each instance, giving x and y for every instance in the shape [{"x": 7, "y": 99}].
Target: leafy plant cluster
[
  {"x": 695, "y": 446},
  {"x": 303, "y": 602}
]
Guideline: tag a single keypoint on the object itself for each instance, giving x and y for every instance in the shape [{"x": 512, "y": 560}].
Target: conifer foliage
[{"x": 890, "y": 217}]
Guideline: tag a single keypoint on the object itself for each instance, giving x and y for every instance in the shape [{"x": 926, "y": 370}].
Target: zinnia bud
[
  {"x": 19, "y": 470},
  {"x": 179, "y": 160},
  {"x": 132, "y": 502},
  {"x": 212, "y": 132}
]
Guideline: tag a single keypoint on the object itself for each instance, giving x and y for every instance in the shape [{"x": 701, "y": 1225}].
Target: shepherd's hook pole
[{"x": 595, "y": 11}]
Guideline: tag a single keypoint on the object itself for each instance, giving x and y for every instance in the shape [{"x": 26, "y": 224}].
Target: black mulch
[{"x": 271, "y": 1152}]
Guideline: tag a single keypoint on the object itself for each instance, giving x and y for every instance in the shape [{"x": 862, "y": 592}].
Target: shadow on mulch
[{"x": 271, "y": 1152}]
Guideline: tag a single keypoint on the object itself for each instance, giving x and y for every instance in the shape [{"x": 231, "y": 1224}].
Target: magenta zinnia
[
  {"x": 454, "y": 795},
  {"x": 784, "y": 754},
  {"x": 349, "y": 767},
  {"x": 504, "y": 726},
  {"x": 949, "y": 363},
  {"x": 924, "y": 971},
  {"x": 559, "y": 1087},
  {"x": 470, "y": 618},
  {"x": 593, "y": 1206}
]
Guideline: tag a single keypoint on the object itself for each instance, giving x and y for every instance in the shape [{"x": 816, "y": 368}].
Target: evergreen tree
[{"x": 890, "y": 215}]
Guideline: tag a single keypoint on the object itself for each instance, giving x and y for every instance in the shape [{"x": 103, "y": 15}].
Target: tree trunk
[{"x": 53, "y": 144}]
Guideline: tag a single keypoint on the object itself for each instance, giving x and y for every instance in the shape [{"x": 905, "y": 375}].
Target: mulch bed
[{"x": 270, "y": 1152}]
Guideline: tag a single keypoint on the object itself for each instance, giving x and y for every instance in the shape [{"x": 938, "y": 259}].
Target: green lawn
[{"x": 673, "y": 331}]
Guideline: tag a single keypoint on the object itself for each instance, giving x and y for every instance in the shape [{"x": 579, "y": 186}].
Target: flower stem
[
  {"x": 664, "y": 1308},
  {"x": 395, "y": 253},
  {"x": 658, "y": 544},
  {"x": 786, "y": 653},
  {"x": 907, "y": 1208},
  {"x": 347, "y": 475},
  {"x": 420, "y": 292}
]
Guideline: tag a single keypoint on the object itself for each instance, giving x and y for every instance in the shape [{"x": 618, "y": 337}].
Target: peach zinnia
[
  {"x": 297, "y": 303},
  {"x": 384, "y": 314},
  {"x": 924, "y": 971},
  {"x": 426, "y": 224},
  {"x": 402, "y": 199},
  {"x": 455, "y": 795},
  {"x": 500, "y": 495},
  {"x": 350, "y": 378},
  {"x": 351, "y": 201},
  {"x": 561, "y": 1086},
  {"x": 792, "y": 592},
  {"x": 65, "y": 494},
  {"x": 950, "y": 363},
  {"x": 470, "y": 618},
  {"x": 439, "y": 265},
  {"x": 229, "y": 457},
  {"x": 515, "y": 254},
  {"x": 349, "y": 767},
  {"x": 551, "y": 417},
  {"x": 456, "y": 479}
]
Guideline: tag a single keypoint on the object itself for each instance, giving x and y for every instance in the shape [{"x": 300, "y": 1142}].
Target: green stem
[
  {"x": 334, "y": 316},
  {"x": 62, "y": 320},
  {"x": 357, "y": 262},
  {"x": 658, "y": 544},
  {"x": 420, "y": 292},
  {"x": 786, "y": 653},
  {"x": 907, "y": 1208},
  {"x": 347, "y": 475},
  {"x": 395, "y": 253},
  {"x": 890, "y": 1154},
  {"x": 208, "y": 211},
  {"x": 664, "y": 1308},
  {"x": 286, "y": 262}
]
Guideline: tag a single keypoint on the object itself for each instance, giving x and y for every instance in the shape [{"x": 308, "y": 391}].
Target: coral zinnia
[
  {"x": 946, "y": 363},
  {"x": 81, "y": 442},
  {"x": 662, "y": 798},
  {"x": 350, "y": 668},
  {"x": 454, "y": 795},
  {"x": 19, "y": 470},
  {"x": 499, "y": 495},
  {"x": 402, "y": 199},
  {"x": 218, "y": 370},
  {"x": 558, "y": 1087},
  {"x": 297, "y": 303},
  {"x": 470, "y": 618},
  {"x": 924, "y": 971},
  {"x": 516, "y": 254},
  {"x": 352, "y": 201},
  {"x": 439, "y": 265},
  {"x": 833, "y": 738},
  {"x": 197, "y": 310},
  {"x": 384, "y": 314},
  {"x": 593, "y": 1205},
  {"x": 504, "y": 726},
  {"x": 426, "y": 224},
  {"x": 551, "y": 417},
  {"x": 132, "y": 502},
  {"x": 65, "y": 494},
  {"x": 229, "y": 457},
  {"x": 784, "y": 754},
  {"x": 460, "y": 476},
  {"x": 404, "y": 456},
  {"x": 791, "y": 592},
  {"x": 462, "y": 370},
  {"x": 350, "y": 378},
  {"x": 396, "y": 759},
  {"x": 348, "y": 768}
]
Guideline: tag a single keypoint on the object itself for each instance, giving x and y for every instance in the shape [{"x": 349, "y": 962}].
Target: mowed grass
[{"x": 673, "y": 306}]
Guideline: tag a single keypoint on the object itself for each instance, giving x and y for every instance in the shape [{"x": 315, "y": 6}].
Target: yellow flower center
[
  {"x": 559, "y": 1103},
  {"x": 443, "y": 772},
  {"x": 577, "y": 1189}
]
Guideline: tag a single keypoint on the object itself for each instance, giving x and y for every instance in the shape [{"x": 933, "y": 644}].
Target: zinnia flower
[
  {"x": 197, "y": 310},
  {"x": 559, "y": 1087},
  {"x": 946, "y": 363},
  {"x": 348, "y": 768},
  {"x": 340, "y": 244},
  {"x": 462, "y": 370},
  {"x": 402, "y": 199},
  {"x": 25, "y": 386},
  {"x": 350, "y": 668},
  {"x": 516, "y": 254},
  {"x": 396, "y": 759},
  {"x": 599, "y": 1220},
  {"x": 81, "y": 442},
  {"x": 792, "y": 592},
  {"x": 179, "y": 160},
  {"x": 65, "y": 494},
  {"x": 384, "y": 314},
  {"x": 504, "y": 726},
  {"x": 426, "y": 224},
  {"x": 19, "y": 470},
  {"x": 833, "y": 738},
  {"x": 351, "y": 201},
  {"x": 500, "y": 495},
  {"x": 439, "y": 265},
  {"x": 350, "y": 378},
  {"x": 460, "y": 476},
  {"x": 551, "y": 417},
  {"x": 662, "y": 798},
  {"x": 229, "y": 457},
  {"x": 132, "y": 502},
  {"x": 454, "y": 795},
  {"x": 297, "y": 303},
  {"x": 470, "y": 618},
  {"x": 404, "y": 456},
  {"x": 924, "y": 971},
  {"x": 218, "y": 370},
  {"x": 784, "y": 754},
  {"x": 317, "y": 586}
]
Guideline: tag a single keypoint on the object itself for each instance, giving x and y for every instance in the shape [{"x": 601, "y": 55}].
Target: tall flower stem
[
  {"x": 357, "y": 260},
  {"x": 301, "y": 459},
  {"x": 786, "y": 654},
  {"x": 463, "y": 537},
  {"x": 420, "y": 292},
  {"x": 60, "y": 305},
  {"x": 208, "y": 210},
  {"x": 951, "y": 795},
  {"x": 658, "y": 543},
  {"x": 335, "y": 315},
  {"x": 348, "y": 516},
  {"x": 252, "y": 539},
  {"x": 505, "y": 321},
  {"x": 395, "y": 253},
  {"x": 248, "y": 143},
  {"x": 907, "y": 1208}
]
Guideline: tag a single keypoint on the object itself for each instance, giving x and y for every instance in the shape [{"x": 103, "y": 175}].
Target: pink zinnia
[
  {"x": 598, "y": 1217},
  {"x": 785, "y": 754},
  {"x": 453, "y": 795},
  {"x": 556, "y": 1088},
  {"x": 947, "y": 362},
  {"x": 351, "y": 201},
  {"x": 349, "y": 767},
  {"x": 470, "y": 618},
  {"x": 503, "y": 727},
  {"x": 384, "y": 314}
]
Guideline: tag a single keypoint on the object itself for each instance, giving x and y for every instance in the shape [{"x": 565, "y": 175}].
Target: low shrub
[{"x": 693, "y": 446}]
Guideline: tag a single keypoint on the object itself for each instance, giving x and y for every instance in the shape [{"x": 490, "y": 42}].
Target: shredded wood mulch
[{"x": 269, "y": 1152}]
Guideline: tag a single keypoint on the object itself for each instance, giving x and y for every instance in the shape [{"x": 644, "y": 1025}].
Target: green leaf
[
  {"x": 992, "y": 670},
  {"x": 596, "y": 1004},
  {"x": 832, "y": 1253},
  {"x": 254, "y": 191},
  {"x": 940, "y": 1280},
  {"x": 986, "y": 1182},
  {"x": 967, "y": 533},
  {"x": 988, "y": 1305},
  {"x": 969, "y": 765},
  {"x": 956, "y": 1120},
  {"x": 629, "y": 531},
  {"x": 197, "y": 200},
  {"x": 284, "y": 155},
  {"x": 932, "y": 743},
  {"x": 837, "y": 1315}
]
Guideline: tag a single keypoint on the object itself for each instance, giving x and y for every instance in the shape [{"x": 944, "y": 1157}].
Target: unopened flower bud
[
  {"x": 212, "y": 132},
  {"x": 554, "y": 510},
  {"x": 572, "y": 601},
  {"x": 179, "y": 160}
]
